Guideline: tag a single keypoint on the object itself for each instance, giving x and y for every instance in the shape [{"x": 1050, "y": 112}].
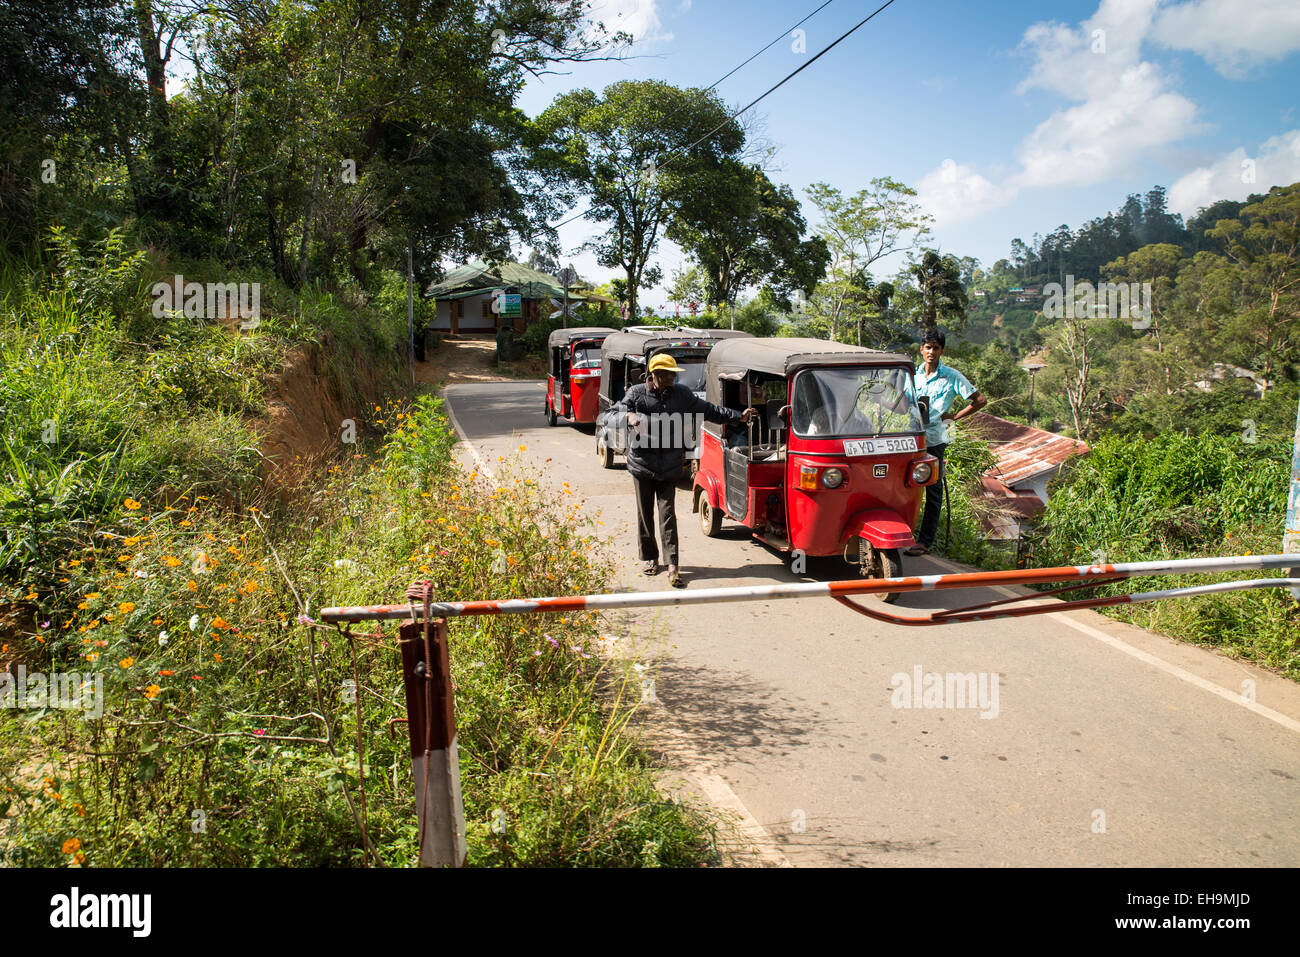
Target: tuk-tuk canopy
[
  {"x": 638, "y": 340},
  {"x": 782, "y": 356},
  {"x": 562, "y": 337}
]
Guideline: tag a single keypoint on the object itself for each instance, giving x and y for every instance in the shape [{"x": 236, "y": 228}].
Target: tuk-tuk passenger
[{"x": 655, "y": 471}]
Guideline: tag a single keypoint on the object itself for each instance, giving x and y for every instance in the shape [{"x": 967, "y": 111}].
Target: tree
[
  {"x": 632, "y": 151},
  {"x": 940, "y": 292},
  {"x": 687, "y": 286},
  {"x": 1265, "y": 243},
  {"x": 861, "y": 230},
  {"x": 744, "y": 231},
  {"x": 1156, "y": 266}
]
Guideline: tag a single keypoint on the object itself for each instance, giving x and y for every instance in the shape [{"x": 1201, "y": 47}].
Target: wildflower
[
  {"x": 44, "y": 625},
  {"x": 197, "y": 677},
  {"x": 166, "y": 672},
  {"x": 126, "y": 607},
  {"x": 304, "y": 620},
  {"x": 171, "y": 561},
  {"x": 71, "y": 845},
  {"x": 217, "y": 659},
  {"x": 151, "y": 692},
  {"x": 79, "y": 858},
  {"x": 162, "y": 637},
  {"x": 259, "y": 731},
  {"x": 554, "y": 643},
  {"x": 194, "y": 622},
  {"x": 192, "y": 585},
  {"x": 127, "y": 662},
  {"x": 132, "y": 504},
  {"x": 79, "y": 809},
  {"x": 221, "y": 623}
]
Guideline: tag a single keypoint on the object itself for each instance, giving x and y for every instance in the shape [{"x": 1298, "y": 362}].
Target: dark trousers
[
  {"x": 933, "y": 501},
  {"x": 649, "y": 491}
]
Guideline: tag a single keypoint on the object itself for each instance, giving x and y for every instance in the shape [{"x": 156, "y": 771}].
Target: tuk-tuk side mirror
[
  {"x": 924, "y": 403},
  {"x": 783, "y": 414}
]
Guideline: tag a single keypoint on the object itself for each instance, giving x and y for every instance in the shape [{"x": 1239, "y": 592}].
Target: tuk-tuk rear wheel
[
  {"x": 710, "y": 517},
  {"x": 881, "y": 563},
  {"x": 550, "y": 416},
  {"x": 604, "y": 451}
]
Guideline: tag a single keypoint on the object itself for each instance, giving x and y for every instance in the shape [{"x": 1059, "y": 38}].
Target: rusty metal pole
[{"x": 434, "y": 763}]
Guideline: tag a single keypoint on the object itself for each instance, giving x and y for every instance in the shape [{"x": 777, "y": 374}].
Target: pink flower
[{"x": 259, "y": 731}]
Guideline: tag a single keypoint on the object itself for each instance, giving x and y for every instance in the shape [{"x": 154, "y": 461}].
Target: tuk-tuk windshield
[
  {"x": 692, "y": 374},
  {"x": 586, "y": 355},
  {"x": 845, "y": 401}
]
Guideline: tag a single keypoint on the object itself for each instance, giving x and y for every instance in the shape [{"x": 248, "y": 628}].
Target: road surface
[{"x": 1103, "y": 745}]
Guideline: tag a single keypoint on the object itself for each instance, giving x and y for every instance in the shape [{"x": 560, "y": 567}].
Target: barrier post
[{"x": 435, "y": 767}]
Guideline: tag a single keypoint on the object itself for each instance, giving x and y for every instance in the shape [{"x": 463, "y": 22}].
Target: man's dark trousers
[
  {"x": 933, "y": 501},
  {"x": 649, "y": 490}
]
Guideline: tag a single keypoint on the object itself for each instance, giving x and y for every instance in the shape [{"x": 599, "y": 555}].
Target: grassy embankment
[
  {"x": 1174, "y": 496},
  {"x": 141, "y": 544}
]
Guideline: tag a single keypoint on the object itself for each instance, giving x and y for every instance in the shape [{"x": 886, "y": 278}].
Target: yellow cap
[{"x": 664, "y": 363}]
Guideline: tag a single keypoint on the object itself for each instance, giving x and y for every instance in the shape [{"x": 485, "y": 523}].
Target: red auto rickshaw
[
  {"x": 573, "y": 379},
  {"x": 835, "y": 464}
]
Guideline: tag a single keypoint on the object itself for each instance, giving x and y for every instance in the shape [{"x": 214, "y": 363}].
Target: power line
[{"x": 789, "y": 76}]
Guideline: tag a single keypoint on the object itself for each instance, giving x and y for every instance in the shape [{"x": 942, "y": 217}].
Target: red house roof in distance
[{"x": 1022, "y": 452}]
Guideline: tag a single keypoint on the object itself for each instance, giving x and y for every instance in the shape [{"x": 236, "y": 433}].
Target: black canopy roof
[
  {"x": 637, "y": 340},
  {"x": 781, "y": 356},
  {"x": 560, "y": 337}
]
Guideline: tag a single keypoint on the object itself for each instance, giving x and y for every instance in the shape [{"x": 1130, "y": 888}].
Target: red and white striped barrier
[{"x": 1081, "y": 576}]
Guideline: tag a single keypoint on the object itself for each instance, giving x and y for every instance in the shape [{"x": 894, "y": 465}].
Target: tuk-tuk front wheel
[
  {"x": 710, "y": 517},
  {"x": 604, "y": 451},
  {"x": 880, "y": 563},
  {"x": 550, "y": 415}
]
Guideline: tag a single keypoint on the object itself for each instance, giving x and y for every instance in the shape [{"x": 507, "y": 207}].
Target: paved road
[{"x": 1108, "y": 745}]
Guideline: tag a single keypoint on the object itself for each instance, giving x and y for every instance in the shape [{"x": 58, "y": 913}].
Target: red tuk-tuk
[
  {"x": 835, "y": 464},
  {"x": 573, "y": 379}
]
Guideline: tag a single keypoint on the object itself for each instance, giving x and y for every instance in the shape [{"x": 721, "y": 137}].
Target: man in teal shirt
[{"x": 944, "y": 385}]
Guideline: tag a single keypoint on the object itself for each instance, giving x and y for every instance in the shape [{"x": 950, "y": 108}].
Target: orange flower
[
  {"x": 80, "y": 858},
  {"x": 71, "y": 845},
  {"x": 171, "y": 561},
  {"x": 127, "y": 662},
  {"x": 131, "y": 503},
  {"x": 166, "y": 672},
  {"x": 126, "y": 607},
  {"x": 192, "y": 585},
  {"x": 221, "y": 623},
  {"x": 151, "y": 692}
]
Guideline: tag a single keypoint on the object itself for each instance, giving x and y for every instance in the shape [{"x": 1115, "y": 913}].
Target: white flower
[
  {"x": 194, "y": 622},
  {"x": 162, "y": 637}
]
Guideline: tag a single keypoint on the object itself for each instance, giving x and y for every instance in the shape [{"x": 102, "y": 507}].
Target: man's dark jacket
[{"x": 663, "y": 463}]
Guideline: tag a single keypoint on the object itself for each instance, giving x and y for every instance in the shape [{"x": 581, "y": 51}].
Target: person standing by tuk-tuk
[
  {"x": 943, "y": 385},
  {"x": 657, "y": 466}
]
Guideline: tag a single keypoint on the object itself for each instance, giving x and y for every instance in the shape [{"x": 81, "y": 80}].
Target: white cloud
[
  {"x": 1238, "y": 174},
  {"x": 953, "y": 192},
  {"x": 1125, "y": 105},
  {"x": 640, "y": 18},
  {"x": 1231, "y": 35}
]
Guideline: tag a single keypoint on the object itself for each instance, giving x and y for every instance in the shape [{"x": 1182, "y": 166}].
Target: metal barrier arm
[
  {"x": 1083, "y": 575},
  {"x": 977, "y": 612}
]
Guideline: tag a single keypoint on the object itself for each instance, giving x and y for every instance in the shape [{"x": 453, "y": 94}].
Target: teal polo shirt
[{"x": 943, "y": 388}]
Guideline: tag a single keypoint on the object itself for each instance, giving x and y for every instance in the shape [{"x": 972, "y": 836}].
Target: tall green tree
[
  {"x": 860, "y": 230},
  {"x": 745, "y": 231},
  {"x": 939, "y": 295},
  {"x": 632, "y": 152}
]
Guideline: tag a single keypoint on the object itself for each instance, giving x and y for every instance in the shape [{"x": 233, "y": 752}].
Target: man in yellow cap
[{"x": 656, "y": 453}]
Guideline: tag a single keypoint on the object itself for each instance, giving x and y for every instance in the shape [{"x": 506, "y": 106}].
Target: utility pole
[
  {"x": 410, "y": 306},
  {"x": 1032, "y": 368}
]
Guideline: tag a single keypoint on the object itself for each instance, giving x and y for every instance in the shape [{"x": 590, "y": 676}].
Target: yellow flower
[
  {"x": 171, "y": 561},
  {"x": 131, "y": 503},
  {"x": 151, "y": 692},
  {"x": 71, "y": 845},
  {"x": 126, "y": 607},
  {"x": 127, "y": 662},
  {"x": 192, "y": 585},
  {"x": 80, "y": 858},
  {"x": 217, "y": 658}
]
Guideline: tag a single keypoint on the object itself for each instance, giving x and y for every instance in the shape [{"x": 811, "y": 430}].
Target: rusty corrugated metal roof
[{"x": 1022, "y": 452}]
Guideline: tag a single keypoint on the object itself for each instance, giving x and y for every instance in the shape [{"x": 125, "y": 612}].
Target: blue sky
[{"x": 1010, "y": 118}]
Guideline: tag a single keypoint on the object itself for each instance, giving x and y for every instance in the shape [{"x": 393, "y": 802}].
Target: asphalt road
[{"x": 1107, "y": 745}]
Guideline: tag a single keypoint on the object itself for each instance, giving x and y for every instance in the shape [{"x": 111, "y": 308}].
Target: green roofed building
[{"x": 464, "y": 298}]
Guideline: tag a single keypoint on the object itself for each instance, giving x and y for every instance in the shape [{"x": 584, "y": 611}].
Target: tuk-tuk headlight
[
  {"x": 833, "y": 478},
  {"x": 921, "y": 472}
]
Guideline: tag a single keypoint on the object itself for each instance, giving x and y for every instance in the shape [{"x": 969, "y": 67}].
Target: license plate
[{"x": 906, "y": 443}]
